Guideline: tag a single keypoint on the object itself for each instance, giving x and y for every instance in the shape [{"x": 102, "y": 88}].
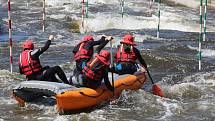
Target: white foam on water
[
  {"x": 49, "y": 110},
  {"x": 197, "y": 86},
  {"x": 205, "y": 52},
  {"x": 170, "y": 107},
  {"x": 108, "y": 21},
  {"x": 101, "y": 21},
  {"x": 208, "y": 53},
  {"x": 61, "y": 118},
  {"x": 61, "y": 3},
  {"x": 183, "y": 90},
  {"x": 58, "y": 16},
  {"x": 97, "y": 114},
  {"x": 9, "y": 79},
  {"x": 46, "y": 118},
  {"x": 7, "y": 101}
]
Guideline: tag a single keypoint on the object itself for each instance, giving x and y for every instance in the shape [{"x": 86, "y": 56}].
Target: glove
[
  {"x": 145, "y": 65},
  {"x": 51, "y": 37},
  {"x": 103, "y": 37},
  {"x": 109, "y": 38}
]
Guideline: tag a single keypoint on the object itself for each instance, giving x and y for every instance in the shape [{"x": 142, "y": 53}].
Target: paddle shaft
[
  {"x": 111, "y": 56},
  {"x": 150, "y": 76}
]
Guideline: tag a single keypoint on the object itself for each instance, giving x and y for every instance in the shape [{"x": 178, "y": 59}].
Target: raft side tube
[
  {"x": 86, "y": 97},
  {"x": 30, "y": 90}
]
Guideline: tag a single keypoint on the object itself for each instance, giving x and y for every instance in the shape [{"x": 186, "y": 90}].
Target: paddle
[
  {"x": 156, "y": 90},
  {"x": 111, "y": 57}
]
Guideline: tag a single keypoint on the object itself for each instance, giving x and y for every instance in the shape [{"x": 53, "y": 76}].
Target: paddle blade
[{"x": 156, "y": 90}]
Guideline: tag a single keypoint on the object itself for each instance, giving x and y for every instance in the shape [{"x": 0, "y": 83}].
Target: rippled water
[{"x": 172, "y": 59}]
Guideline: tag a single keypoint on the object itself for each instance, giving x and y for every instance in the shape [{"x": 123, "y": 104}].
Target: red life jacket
[
  {"x": 94, "y": 70},
  {"x": 27, "y": 64},
  {"x": 122, "y": 56},
  {"x": 83, "y": 53}
]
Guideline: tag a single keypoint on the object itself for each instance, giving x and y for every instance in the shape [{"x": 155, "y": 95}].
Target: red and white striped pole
[
  {"x": 44, "y": 15},
  {"x": 83, "y": 12},
  {"x": 10, "y": 36}
]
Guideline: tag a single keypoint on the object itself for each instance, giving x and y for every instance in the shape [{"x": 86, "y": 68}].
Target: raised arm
[{"x": 36, "y": 53}]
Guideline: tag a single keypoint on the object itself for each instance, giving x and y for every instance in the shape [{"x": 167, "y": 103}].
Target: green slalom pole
[
  {"x": 200, "y": 35},
  {"x": 158, "y": 28},
  {"x": 205, "y": 18}
]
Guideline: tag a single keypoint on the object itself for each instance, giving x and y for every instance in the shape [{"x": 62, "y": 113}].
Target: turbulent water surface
[{"x": 172, "y": 59}]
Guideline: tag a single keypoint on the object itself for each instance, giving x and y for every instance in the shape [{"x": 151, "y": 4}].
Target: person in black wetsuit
[
  {"x": 84, "y": 51},
  {"x": 127, "y": 55},
  {"x": 29, "y": 64}
]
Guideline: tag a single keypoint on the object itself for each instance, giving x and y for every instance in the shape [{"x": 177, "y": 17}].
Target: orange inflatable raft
[{"x": 72, "y": 98}]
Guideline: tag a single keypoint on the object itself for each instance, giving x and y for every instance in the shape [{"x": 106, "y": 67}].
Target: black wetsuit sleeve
[
  {"x": 91, "y": 44},
  {"x": 102, "y": 44},
  {"x": 76, "y": 48},
  {"x": 107, "y": 82},
  {"x": 139, "y": 57},
  {"x": 40, "y": 51}
]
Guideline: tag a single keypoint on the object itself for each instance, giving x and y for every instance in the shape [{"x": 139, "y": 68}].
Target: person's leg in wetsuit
[
  {"x": 78, "y": 70},
  {"x": 80, "y": 64},
  {"x": 49, "y": 73}
]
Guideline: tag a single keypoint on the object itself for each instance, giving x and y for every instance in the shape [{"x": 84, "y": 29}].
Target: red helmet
[
  {"x": 88, "y": 38},
  {"x": 105, "y": 54},
  {"x": 128, "y": 39},
  {"x": 28, "y": 44}
]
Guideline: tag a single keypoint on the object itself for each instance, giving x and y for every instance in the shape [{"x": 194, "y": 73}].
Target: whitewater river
[{"x": 172, "y": 59}]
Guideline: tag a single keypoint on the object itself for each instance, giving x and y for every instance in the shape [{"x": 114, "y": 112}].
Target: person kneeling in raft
[
  {"x": 95, "y": 71},
  {"x": 127, "y": 55}
]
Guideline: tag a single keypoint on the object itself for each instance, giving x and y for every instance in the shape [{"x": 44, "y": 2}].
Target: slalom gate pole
[
  {"x": 150, "y": 6},
  {"x": 205, "y": 19},
  {"x": 87, "y": 12},
  {"x": 112, "y": 65},
  {"x": 87, "y": 6},
  {"x": 200, "y": 35},
  {"x": 122, "y": 8},
  {"x": 44, "y": 14},
  {"x": 158, "y": 28},
  {"x": 10, "y": 36},
  {"x": 83, "y": 12},
  {"x": 27, "y": 3}
]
